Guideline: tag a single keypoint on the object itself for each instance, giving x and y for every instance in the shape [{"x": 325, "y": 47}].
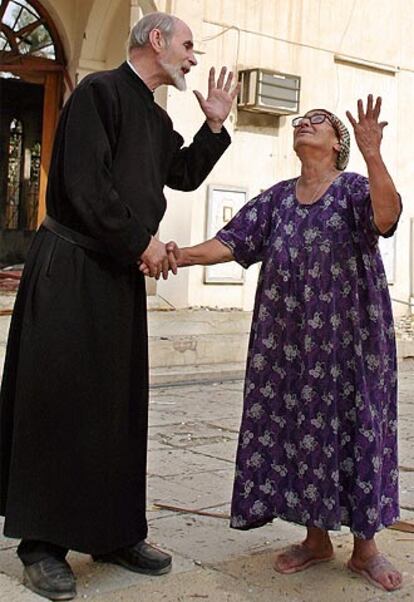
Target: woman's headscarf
[{"x": 344, "y": 140}]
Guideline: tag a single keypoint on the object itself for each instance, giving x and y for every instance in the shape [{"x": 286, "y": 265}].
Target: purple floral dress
[{"x": 318, "y": 438}]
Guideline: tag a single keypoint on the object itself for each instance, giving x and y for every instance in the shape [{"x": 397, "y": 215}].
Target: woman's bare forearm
[
  {"x": 384, "y": 197},
  {"x": 206, "y": 253},
  {"x": 368, "y": 132}
]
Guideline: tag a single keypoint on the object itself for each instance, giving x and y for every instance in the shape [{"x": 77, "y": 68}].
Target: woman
[{"x": 318, "y": 440}]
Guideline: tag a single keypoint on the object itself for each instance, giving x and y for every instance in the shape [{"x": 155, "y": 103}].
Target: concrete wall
[
  {"x": 341, "y": 53},
  {"x": 106, "y": 33},
  {"x": 107, "y": 28},
  {"x": 94, "y": 32},
  {"x": 70, "y": 19}
]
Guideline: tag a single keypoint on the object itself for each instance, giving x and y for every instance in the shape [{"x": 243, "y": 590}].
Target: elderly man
[{"x": 74, "y": 399}]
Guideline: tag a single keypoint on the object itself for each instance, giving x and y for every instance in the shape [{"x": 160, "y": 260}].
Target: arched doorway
[{"x": 32, "y": 68}]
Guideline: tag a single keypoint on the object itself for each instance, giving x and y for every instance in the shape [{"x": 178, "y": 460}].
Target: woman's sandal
[
  {"x": 302, "y": 555},
  {"x": 374, "y": 567}
]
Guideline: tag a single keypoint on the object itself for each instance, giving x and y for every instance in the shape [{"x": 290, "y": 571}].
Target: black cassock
[{"x": 74, "y": 399}]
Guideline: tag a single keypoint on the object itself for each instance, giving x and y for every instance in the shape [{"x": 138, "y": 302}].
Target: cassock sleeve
[
  {"x": 191, "y": 165},
  {"x": 90, "y": 134}
]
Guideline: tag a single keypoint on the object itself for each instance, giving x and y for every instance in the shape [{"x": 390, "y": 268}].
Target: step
[
  {"x": 209, "y": 373},
  {"x": 198, "y": 337}
]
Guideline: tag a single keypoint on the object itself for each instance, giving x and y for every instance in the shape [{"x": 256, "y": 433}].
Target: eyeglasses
[{"x": 315, "y": 119}]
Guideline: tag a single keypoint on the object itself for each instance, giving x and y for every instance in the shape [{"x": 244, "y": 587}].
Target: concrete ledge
[
  {"x": 195, "y": 345},
  {"x": 198, "y": 321},
  {"x": 405, "y": 349},
  {"x": 208, "y": 373},
  {"x": 197, "y": 350},
  {"x": 197, "y": 337}
]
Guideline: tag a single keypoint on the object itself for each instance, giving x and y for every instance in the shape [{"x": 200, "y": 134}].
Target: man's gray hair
[{"x": 139, "y": 35}]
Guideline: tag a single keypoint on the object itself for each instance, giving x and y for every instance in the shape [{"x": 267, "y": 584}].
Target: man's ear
[{"x": 157, "y": 40}]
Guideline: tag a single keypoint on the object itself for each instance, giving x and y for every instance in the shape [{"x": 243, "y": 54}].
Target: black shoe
[
  {"x": 140, "y": 558},
  {"x": 51, "y": 578}
]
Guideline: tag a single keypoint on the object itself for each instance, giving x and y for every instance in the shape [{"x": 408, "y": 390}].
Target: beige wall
[
  {"x": 301, "y": 37},
  {"x": 375, "y": 43},
  {"x": 94, "y": 32},
  {"x": 70, "y": 18}
]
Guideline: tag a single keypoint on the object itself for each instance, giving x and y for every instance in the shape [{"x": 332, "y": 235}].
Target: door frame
[
  {"x": 52, "y": 74},
  {"x": 52, "y": 81}
]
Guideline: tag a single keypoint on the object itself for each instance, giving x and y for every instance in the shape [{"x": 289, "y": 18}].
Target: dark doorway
[
  {"x": 32, "y": 71},
  {"x": 21, "y": 113}
]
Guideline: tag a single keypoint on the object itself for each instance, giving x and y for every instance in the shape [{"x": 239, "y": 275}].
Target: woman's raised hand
[{"x": 368, "y": 129}]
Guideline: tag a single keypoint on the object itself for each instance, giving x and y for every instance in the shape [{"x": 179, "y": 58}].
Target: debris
[
  {"x": 406, "y": 469},
  {"x": 403, "y": 525},
  {"x": 9, "y": 280},
  {"x": 163, "y": 403},
  {"x": 6, "y": 312},
  {"x": 192, "y": 511},
  {"x": 11, "y": 275}
]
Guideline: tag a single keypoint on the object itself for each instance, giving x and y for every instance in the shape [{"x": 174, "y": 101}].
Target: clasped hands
[{"x": 159, "y": 259}]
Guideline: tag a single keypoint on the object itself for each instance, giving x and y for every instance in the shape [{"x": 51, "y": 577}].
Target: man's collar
[{"x": 136, "y": 73}]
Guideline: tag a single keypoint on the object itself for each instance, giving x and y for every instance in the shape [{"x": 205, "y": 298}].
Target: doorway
[
  {"x": 21, "y": 143},
  {"x": 31, "y": 93}
]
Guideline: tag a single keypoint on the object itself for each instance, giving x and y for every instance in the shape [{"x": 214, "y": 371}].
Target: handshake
[{"x": 160, "y": 258}]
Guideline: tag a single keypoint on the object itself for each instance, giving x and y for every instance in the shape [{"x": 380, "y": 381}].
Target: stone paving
[
  {"x": 192, "y": 444},
  {"x": 404, "y": 327}
]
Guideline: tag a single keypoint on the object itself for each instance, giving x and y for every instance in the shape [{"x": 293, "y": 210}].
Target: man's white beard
[{"x": 176, "y": 75}]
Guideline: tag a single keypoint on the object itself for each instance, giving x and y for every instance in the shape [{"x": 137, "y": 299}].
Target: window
[{"x": 23, "y": 31}]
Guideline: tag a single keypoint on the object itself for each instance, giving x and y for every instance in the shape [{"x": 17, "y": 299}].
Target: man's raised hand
[{"x": 217, "y": 105}]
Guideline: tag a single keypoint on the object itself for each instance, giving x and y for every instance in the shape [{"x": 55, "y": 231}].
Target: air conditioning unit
[{"x": 265, "y": 91}]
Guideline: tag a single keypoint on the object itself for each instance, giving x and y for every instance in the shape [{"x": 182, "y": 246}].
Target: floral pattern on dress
[{"x": 318, "y": 437}]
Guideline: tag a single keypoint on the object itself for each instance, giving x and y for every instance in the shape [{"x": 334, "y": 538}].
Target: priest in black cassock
[{"x": 74, "y": 398}]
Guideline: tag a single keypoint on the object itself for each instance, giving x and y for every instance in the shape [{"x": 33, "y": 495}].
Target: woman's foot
[
  {"x": 378, "y": 570},
  {"x": 368, "y": 562},
  {"x": 297, "y": 558},
  {"x": 316, "y": 548}
]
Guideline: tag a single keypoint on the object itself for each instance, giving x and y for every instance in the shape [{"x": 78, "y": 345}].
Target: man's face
[{"x": 178, "y": 57}]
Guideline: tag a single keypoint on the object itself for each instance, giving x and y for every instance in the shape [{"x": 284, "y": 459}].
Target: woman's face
[{"x": 317, "y": 135}]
